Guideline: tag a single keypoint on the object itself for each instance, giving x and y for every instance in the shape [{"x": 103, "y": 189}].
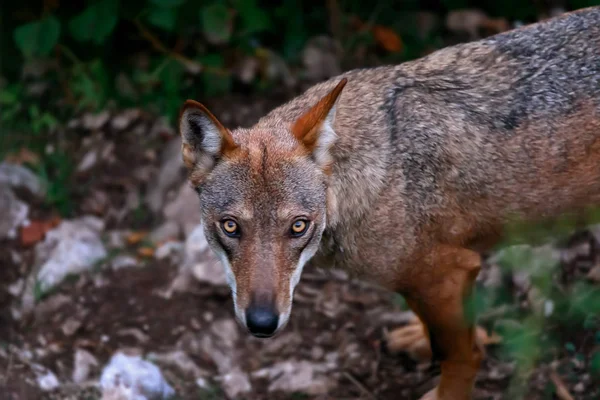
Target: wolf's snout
[{"x": 262, "y": 321}]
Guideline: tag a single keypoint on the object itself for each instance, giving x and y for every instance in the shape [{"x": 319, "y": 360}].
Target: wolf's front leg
[{"x": 438, "y": 297}]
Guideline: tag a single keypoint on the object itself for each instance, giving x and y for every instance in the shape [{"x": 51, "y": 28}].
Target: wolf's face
[{"x": 263, "y": 199}]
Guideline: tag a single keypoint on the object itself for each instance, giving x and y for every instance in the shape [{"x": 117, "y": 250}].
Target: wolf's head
[{"x": 263, "y": 199}]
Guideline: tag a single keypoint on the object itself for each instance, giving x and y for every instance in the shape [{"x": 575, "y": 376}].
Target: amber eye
[
  {"x": 230, "y": 228},
  {"x": 299, "y": 227}
]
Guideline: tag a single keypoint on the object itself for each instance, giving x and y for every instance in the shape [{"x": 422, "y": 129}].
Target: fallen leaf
[
  {"x": 136, "y": 237},
  {"x": 36, "y": 230},
  {"x": 146, "y": 251},
  {"x": 387, "y": 38},
  {"x": 23, "y": 156},
  {"x": 561, "y": 389}
]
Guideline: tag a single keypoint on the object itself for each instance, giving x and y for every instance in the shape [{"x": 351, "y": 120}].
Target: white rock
[
  {"x": 88, "y": 161},
  {"x": 235, "y": 383},
  {"x": 201, "y": 260},
  {"x": 83, "y": 363},
  {"x": 48, "y": 382},
  {"x": 14, "y": 213},
  {"x": 72, "y": 247},
  {"x": 123, "y": 261},
  {"x": 17, "y": 176},
  {"x": 139, "y": 379},
  {"x": 184, "y": 210},
  {"x": 95, "y": 121},
  {"x": 167, "y": 249},
  {"x": 298, "y": 376}
]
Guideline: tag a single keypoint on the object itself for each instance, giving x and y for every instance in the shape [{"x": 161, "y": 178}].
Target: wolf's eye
[
  {"x": 230, "y": 228},
  {"x": 299, "y": 227}
]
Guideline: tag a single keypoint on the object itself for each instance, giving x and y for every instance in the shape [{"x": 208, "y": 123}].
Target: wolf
[{"x": 403, "y": 175}]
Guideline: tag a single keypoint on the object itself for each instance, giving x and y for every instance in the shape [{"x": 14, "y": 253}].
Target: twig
[
  {"x": 360, "y": 386},
  {"x": 561, "y": 390},
  {"x": 192, "y": 65}
]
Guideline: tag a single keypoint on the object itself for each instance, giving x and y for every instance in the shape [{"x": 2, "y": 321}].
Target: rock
[
  {"x": 169, "y": 174},
  {"x": 88, "y": 161},
  {"x": 125, "y": 118},
  {"x": 298, "y": 376},
  {"x": 181, "y": 361},
  {"x": 134, "y": 377},
  {"x": 123, "y": 261},
  {"x": 167, "y": 231},
  {"x": 94, "y": 122},
  {"x": 48, "y": 381},
  {"x": 71, "y": 248},
  {"x": 83, "y": 364},
  {"x": 117, "y": 239},
  {"x": 17, "y": 176},
  {"x": 71, "y": 325},
  {"x": 184, "y": 210},
  {"x": 51, "y": 305},
  {"x": 201, "y": 260},
  {"x": 235, "y": 383},
  {"x": 168, "y": 249},
  {"x": 14, "y": 213}
]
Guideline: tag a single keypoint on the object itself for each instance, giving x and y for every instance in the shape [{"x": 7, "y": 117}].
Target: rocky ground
[{"x": 124, "y": 297}]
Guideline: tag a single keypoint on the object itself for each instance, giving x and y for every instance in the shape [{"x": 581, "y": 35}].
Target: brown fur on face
[{"x": 264, "y": 180}]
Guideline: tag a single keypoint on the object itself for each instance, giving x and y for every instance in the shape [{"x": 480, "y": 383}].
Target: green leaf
[
  {"x": 38, "y": 38},
  {"x": 595, "y": 363},
  {"x": 216, "y": 23},
  {"x": 164, "y": 18},
  {"x": 167, "y": 3},
  {"x": 254, "y": 19},
  {"x": 96, "y": 22}
]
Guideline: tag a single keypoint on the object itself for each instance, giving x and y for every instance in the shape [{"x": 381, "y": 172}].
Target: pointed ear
[
  {"x": 204, "y": 139},
  {"x": 314, "y": 129}
]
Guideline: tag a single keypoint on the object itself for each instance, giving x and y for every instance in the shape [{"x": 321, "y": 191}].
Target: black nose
[{"x": 261, "y": 321}]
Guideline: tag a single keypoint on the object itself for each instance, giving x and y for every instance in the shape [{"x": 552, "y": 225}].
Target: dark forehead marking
[{"x": 264, "y": 159}]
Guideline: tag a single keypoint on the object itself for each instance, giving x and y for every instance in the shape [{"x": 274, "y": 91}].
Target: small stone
[
  {"x": 94, "y": 122},
  {"x": 83, "y": 364},
  {"x": 18, "y": 177},
  {"x": 235, "y": 383},
  {"x": 123, "y": 261},
  {"x": 70, "y": 326},
  {"x": 14, "y": 213},
  {"x": 88, "y": 161},
  {"x": 168, "y": 249},
  {"x": 48, "y": 382},
  {"x": 141, "y": 377}
]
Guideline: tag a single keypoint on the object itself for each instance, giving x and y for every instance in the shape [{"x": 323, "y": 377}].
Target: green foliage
[
  {"x": 38, "y": 38},
  {"x": 216, "y": 22},
  {"x": 96, "y": 22}
]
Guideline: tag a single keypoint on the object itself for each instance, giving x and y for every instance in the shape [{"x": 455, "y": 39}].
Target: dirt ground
[{"x": 335, "y": 319}]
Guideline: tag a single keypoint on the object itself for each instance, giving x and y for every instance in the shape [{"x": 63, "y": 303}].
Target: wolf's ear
[
  {"x": 314, "y": 128},
  {"x": 203, "y": 139}
]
